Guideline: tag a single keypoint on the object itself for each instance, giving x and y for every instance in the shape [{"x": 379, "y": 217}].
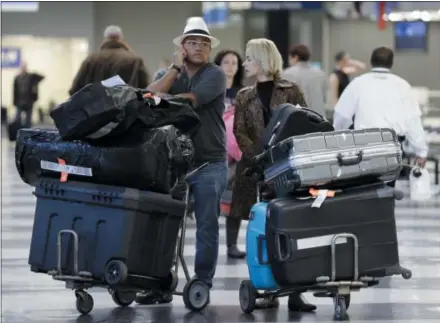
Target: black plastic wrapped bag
[
  {"x": 147, "y": 160},
  {"x": 96, "y": 110}
]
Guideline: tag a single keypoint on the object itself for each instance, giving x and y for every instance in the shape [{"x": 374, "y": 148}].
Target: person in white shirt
[{"x": 382, "y": 99}]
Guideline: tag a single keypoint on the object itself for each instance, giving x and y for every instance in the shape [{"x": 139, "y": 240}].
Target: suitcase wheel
[
  {"x": 123, "y": 298},
  {"x": 342, "y": 303},
  {"x": 406, "y": 273},
  {"x": 115, "y": 272},
  {"x": 248, "y": 296},
  {"x": 84, "y": 302},
  {"x": 195, "y": 295}
]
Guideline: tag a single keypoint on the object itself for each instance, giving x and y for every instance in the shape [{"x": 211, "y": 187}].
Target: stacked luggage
[
  {"x": 331, "y": 226},
  {"x": 104, "y": 214}
]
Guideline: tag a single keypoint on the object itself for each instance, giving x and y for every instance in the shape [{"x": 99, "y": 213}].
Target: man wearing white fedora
[{"x": 192, "y": 76}]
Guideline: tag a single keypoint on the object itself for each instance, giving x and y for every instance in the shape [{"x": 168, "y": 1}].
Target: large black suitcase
[
  {"x": 147, "y": 160},
  {"x": 299, "y": 236},
  {"x": 138, "y": 228},
  {"x": 289, "y": 120}
]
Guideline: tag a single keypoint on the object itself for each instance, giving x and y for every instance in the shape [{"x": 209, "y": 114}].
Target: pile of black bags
[{"x": 118, "y": 136}]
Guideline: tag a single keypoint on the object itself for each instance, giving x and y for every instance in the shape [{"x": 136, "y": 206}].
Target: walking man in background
[
  {"x": 311, "y": 80},
  {"x": 381, "y": 99},
  {"x": 25, "y": 95},
  {"x": 341, "y": 76},
  {"x": 114, "y": 57}
]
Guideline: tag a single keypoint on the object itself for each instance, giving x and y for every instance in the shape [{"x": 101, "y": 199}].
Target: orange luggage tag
[{"x": 64, "y": 175}]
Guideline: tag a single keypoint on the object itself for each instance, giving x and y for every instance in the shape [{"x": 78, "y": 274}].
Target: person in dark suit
[
  {"x": 114, "y": 58},
  {"x": 25, "y": 95}
]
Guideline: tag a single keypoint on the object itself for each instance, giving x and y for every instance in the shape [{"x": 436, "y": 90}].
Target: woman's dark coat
[{"x": 248, "y": 130}]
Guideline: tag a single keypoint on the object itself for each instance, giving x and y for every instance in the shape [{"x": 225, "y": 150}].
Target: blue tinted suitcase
[
  {"x": 260, "y": 272},
  {"x": 136, "y": 228}
]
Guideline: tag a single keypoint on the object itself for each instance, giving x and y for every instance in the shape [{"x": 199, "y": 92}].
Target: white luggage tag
[{"x": 321, "y": 196}]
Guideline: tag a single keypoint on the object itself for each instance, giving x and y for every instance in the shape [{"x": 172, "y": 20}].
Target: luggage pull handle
[
  {"x": 352, "y": 160},
  {"x": 260, "y": 239},
  {"x": 282, "y": 246}
]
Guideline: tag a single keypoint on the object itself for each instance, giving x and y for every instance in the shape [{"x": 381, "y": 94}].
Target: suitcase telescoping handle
[
  {"x": 260, "y": 239},
  {"x": 351, "y": 160}
]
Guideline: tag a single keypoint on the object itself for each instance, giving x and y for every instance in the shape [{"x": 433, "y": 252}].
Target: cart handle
[
  {"x": 355, "y": 253},
  {"x": 75, "y": 251}
]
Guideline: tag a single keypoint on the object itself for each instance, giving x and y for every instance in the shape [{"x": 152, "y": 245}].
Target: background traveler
[
  {"x": 113, "y": 58},
  {"x": 232, "y": 65},
  {"x": 311, "y": 80}
]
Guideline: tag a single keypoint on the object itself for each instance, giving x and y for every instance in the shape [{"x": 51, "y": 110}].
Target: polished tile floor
[{"x": 30, "y": 297}]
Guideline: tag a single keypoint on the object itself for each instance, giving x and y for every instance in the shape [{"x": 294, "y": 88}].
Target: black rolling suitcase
[
  {"x": 289, "y": 120},
  {"x": 131, "y": 232},
  {"x": 334, "y": 159},
  {"x": 299, "y": 236},
  {"x": 13, "y": 129}
]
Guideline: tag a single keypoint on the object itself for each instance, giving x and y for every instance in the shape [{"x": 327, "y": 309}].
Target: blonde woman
[{"x": 254, "y": 106}]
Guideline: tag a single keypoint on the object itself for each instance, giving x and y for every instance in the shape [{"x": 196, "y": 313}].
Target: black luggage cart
[
  {"x": 124, "y": 286},
  {"x": 326, "y": 286}
]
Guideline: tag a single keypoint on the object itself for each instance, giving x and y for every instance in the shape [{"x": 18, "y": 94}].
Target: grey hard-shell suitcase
[{"x": 334, "y": 159}]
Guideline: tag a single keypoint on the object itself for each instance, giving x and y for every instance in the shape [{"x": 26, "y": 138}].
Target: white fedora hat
[{"x": 196, "y": 26}]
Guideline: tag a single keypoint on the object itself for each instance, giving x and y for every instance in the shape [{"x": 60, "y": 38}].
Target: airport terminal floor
[{"x": 30, "y": 297}]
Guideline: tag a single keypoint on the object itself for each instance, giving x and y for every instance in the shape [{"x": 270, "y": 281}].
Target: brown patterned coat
[{"x": 248, "y": 130}]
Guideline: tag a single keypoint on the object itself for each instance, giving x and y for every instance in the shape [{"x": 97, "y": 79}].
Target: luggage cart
[
  {"x": 325, "y": 286},
  {"x": 123, "y": 286}
]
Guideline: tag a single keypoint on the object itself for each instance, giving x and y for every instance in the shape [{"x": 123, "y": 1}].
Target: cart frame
[{"x": 195, "y": 292}]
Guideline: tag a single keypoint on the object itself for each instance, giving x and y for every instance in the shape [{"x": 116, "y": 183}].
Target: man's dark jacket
[{"x": 114, "y": 58}]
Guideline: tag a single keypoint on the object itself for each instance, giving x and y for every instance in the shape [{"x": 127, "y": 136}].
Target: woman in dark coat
[
  {"x": 114, "y": 58},
  {"x": 253, "y": 110}
]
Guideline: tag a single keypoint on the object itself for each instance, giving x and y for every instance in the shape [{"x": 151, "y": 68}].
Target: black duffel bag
[
  {"x": 146, "y": 160},
  {"x": 96, "y": 112}
]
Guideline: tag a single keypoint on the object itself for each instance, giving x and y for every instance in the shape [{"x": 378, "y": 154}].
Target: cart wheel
[
  {"x": 84, "y": 302},
  {"x": 123, "y": 298},
  {"x": 170, "y": 283},
  {"x": 406, "y": 274},
  {"x": 195, "y": 295},
  {"x": 115, "y": 272},
  {"x": 340, "y": 308},
  {"x": 248, "y": 296}
]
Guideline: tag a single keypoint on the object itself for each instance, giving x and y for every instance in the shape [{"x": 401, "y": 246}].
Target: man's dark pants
[
  {"x": 27, "y": 110},
  {"x": 207, "y": 187}
]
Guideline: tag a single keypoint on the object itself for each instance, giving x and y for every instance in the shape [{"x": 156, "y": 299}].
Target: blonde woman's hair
[{"x": 266, "y": 52}]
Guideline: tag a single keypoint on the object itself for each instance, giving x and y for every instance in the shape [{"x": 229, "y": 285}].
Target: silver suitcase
[{"x": 335, "y": 159}]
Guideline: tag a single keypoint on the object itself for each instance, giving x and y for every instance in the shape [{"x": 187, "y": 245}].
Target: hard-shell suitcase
[
  {"x": 299, "y": 235},
  {"x": 260, "y": 272},
  {"x": 288, "y": 120},
  {"x": 332, "y": 159},
  {"x": 134, "y": 229}
]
